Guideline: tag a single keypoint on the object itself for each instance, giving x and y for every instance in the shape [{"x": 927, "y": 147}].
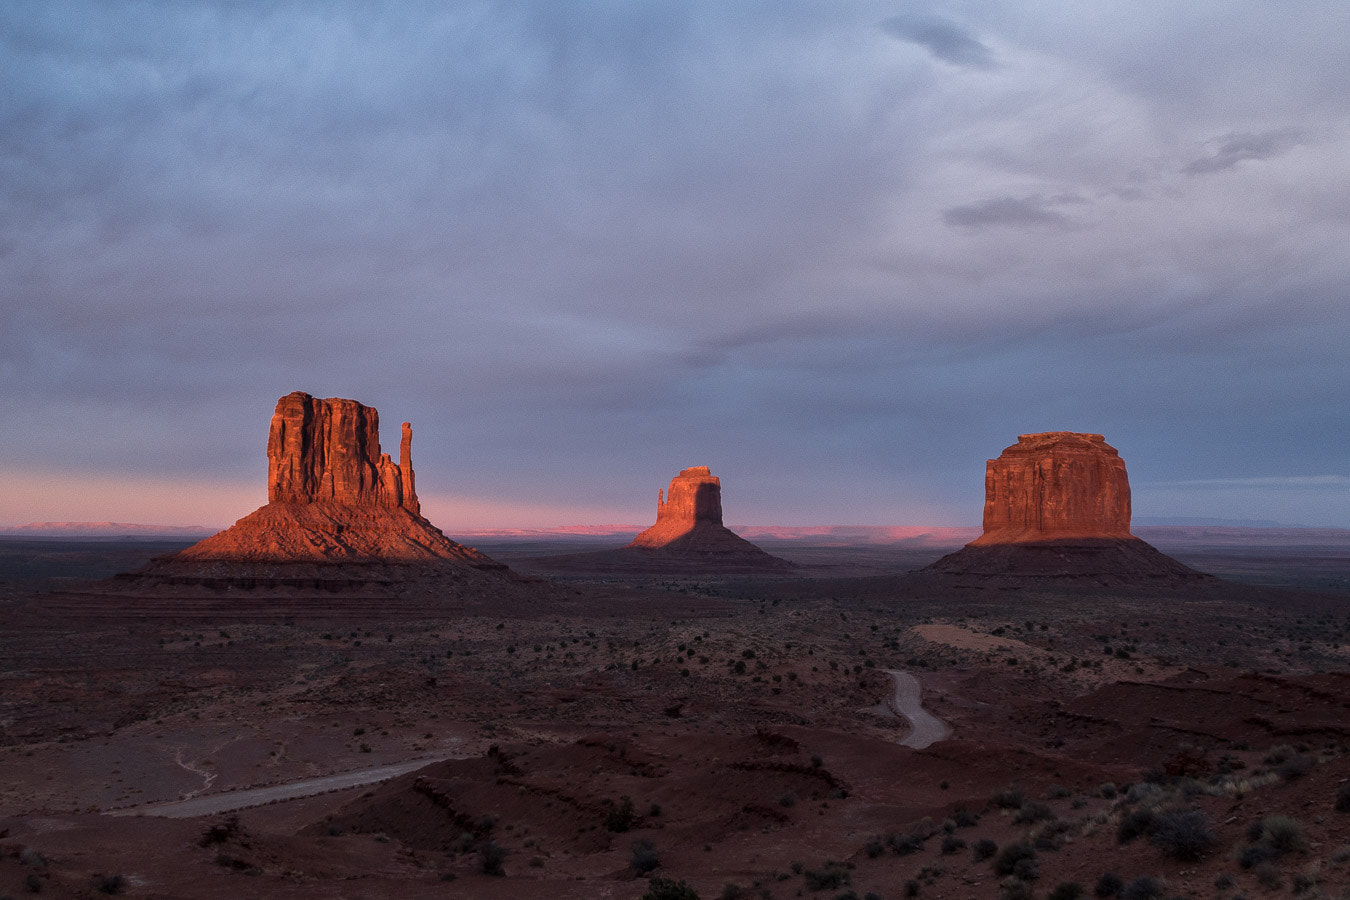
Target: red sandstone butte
[
  {"x": 695, "y": 498},
  {"x": 334, "y": 499},
  {"x": 1057, "y": 485},
  {"x": 688, "y": 538},
  {"x": 1057, "y": 504}
]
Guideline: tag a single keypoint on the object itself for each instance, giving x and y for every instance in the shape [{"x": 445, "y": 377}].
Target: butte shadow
[
  {"x": 340, "y": 513},
  {"x": 1057, "y": 507},
  {"x": 688, "y": 539}
]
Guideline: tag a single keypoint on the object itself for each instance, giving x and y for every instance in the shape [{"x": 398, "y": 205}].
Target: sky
[{"x": 842, "y": 253}]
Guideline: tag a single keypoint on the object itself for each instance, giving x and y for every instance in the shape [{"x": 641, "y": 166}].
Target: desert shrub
[
  {"x": 1107, "y": 790},
  {"x": 1067, "y": 890},
  {"x": 644, "y": 857},
  {"x": 668, "y": 889},
  {"x": 1010, "y": 797},
  {"x": 1135, "y": 823},
  {"x": 1254, "y": 855},
  {"x": 984, "y": 849},
  {"x": 830, "y": 875},
  {"x": 904, "y": 845},
  {"x": 109, "y": 884},
  {"x": 874, "y": 848},
  {"x": 620, "y": 816},
  {"x": 964, "y": 818},
  {"x": 1268, "y": 876},
  {"x": 1031, "y": 813},
  {"x": 491, "y": 855},
  {"x": 731, "y": 892},
  {"x": 1014, "y": 888},
  {"x": 1144, "y": 887},
  {"x": 951, "y": 844},
  {"x": 1295, "y": 767},
  {"x": 1343, "y": 799},
  {"x": 32, "y": 884},
  {"x": 1282, "y": 834},
  {"x": 912, "y": 887},
  {"x": 1279, "y": 754},
  {"x": 1050, "y": 836},
  {"x": 1058, "y": 792},
  {"x": 1304, "y": 882},
  {"x": 1182, "y": 834},
  {"x": 1109, "y": 885},
  {"x": 32, "y": 858},
  {"x": 1008, "y": 858},
  {"x": 788, "y": 800}
]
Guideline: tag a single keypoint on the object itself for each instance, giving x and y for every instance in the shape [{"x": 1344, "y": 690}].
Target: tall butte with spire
[
  {"x": 1057, "y": 504},
  {"x": 336, "y": 504}
]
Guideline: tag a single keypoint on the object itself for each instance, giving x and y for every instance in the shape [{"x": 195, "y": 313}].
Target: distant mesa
[
  {"x": 337, "y": 507},
  {"x": 688, "y": 538},
  {"x": 1057, "y": 505}
]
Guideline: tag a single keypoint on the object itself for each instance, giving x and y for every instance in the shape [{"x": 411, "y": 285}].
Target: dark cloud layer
[
  {"x": 945, "y": 40},
  {"x": 1235, "y": 148},
  {"x": 583, "y": 245}
]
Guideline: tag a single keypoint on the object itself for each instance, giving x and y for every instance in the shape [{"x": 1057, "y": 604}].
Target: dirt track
[
  {"x": 925, "y": 728},
  {"x": 232, "y": 800}
]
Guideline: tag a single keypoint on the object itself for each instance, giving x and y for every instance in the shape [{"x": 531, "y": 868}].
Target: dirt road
[
  {"x": 925, "y": 728},
  {"x": 211, "y": 804}
]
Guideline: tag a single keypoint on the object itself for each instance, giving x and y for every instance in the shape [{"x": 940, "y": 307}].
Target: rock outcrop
[
  {"x": 1058, "y": 485},
  {"x": 688, "y": 538},
  {"x": 337, "y": 506},
  {"x": 1057, "y": 505},
  {"x": 695, "y": 499}
]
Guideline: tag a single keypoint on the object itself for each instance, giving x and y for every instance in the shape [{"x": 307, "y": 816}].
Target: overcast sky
[{"x": 840, "y": 252}]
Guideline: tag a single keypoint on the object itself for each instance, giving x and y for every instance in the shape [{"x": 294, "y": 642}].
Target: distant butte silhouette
[
  {"x": 688, "y": 538},
  {"x": 1057, "y": 505},
  {"x": 336, "y": 505}
]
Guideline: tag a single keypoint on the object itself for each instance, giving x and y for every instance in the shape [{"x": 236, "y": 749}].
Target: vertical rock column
[{"x": 406, "y": 469}]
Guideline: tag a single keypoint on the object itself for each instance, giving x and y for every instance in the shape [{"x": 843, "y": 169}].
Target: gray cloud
[
  {"x": 583, "y": 245},
  {"x": 1235, "y": 148},
  {"x": 944, "y": 39},
  {"x": 1010, "y": 212}
]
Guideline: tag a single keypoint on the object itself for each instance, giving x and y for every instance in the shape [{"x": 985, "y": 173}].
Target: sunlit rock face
[
  {"x": 1056, "y": 485},
  {"x": 695, "y": 497},
  {"x": 333, "y": 499},
  {"x": 1057, "y": 505},
  {"x": 330, "y": 450}
]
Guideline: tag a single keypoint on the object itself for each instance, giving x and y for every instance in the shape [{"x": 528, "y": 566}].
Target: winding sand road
[
  {"x": 227, "y": 801},
  {"x": 924, "y": 727}
]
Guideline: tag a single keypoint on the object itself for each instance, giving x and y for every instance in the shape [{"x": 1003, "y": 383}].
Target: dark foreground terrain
[{"x": 749, "y": 737}]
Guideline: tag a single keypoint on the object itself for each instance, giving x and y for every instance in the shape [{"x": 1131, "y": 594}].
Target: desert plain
[{"x": 583, "y": 736}]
